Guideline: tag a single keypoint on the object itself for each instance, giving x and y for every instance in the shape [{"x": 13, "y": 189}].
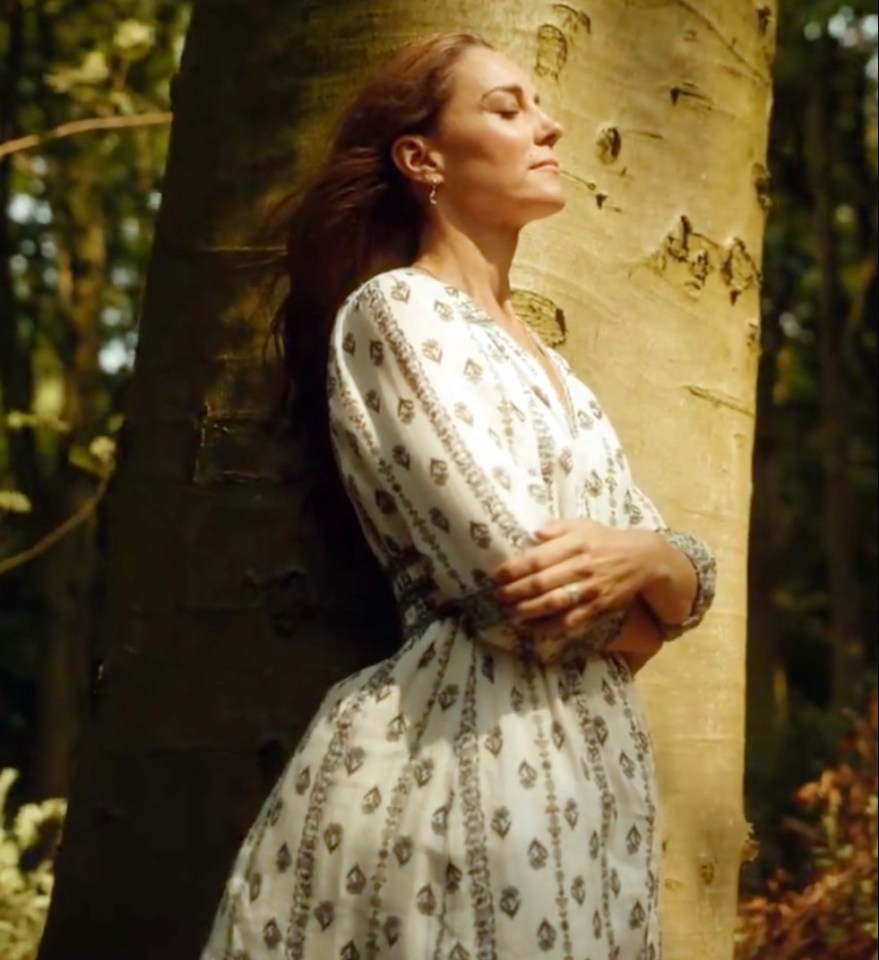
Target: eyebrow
[{"x": 513, "y": 88}]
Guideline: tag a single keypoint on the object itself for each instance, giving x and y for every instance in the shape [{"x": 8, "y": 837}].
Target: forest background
[{"x": 84, "y": 101}]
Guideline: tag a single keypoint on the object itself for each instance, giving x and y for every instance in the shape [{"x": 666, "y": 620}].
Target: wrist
[
  {"x": 639, "y": 634},
  {"x": 656, "y": 561},
  {"x": 682, "y": 584}
]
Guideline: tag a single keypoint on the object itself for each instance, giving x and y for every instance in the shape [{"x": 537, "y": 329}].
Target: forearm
[
  {"x": 640, "y": 639},
  {"x": 639, "y": 633}
]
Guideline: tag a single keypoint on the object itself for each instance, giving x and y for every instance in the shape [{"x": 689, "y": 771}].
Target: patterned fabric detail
[
  {"x": 599, "y": 633},
  {"x": 478, "y": 611},
  {"x": 705, "y": 565},
  {"x": 476, "y": 796}
]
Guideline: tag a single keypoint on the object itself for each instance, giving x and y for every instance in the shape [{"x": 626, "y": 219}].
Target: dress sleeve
[
  {"x": 643, "y": 513},
  {"x": 424, "y": 440}
]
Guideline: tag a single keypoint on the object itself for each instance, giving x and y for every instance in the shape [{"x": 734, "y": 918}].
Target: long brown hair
[{"x": 357, "y": 216}]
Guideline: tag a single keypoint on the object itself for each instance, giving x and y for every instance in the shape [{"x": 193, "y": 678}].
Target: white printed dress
[{"x": 459, "y": 801}]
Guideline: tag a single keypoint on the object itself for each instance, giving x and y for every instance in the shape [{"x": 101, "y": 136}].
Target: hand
[{"x": 580, "y": 569}]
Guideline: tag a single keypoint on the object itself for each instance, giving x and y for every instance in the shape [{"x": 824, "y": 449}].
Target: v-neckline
[{"x": 560, "y": 391}]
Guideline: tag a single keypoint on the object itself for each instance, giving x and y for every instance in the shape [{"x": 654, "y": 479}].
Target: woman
[{"x": 488, "y": 790}]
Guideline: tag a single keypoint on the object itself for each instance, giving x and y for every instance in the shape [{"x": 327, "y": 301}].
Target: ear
[{"x": 417, "y": 159}]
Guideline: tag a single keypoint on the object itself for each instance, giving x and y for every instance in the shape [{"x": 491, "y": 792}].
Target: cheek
[
  {"x": 493, "y": 152},
  {"x": 499, "y": 163}
]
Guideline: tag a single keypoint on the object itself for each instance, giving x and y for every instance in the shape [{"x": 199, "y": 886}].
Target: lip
[{"x": 544, "y": 164}]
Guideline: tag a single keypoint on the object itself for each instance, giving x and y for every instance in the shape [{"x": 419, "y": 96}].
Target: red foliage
[{"x": 833, "y": 915}]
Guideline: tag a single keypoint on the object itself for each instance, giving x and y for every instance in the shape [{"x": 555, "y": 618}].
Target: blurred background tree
[
  {"x": 76, "y": 217},
  {"x": 813, "y": 565}
]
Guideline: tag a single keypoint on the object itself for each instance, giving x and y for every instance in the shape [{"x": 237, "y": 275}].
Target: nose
[{"x": 550, "y": 130}]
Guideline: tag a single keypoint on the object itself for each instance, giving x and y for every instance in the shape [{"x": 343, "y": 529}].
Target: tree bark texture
[
  {"x": 227, "y": 618},
  {"x": 656, "y": 263}
]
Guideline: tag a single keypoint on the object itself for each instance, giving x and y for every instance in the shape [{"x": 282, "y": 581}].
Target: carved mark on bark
[
  {"x": 754, "y": 336},
  {"x": 552, "y": 51},
  {"x": 691, "y": 93},
  {"x": 543, "y": 315},
  {"x": 601, "y": 197},
  {"x": 572, "y": 18},
  {"x": 765, "y": 27},
  {"x": 701, "y": 256},
  {"x": 762, "y": 181},
  {"x": 608, "y": 144},
  {"x": 720, "y": 399},
  {"x": 650, "y": 134},
  {"x": 739, "y": 269},
  {"x": 686, "y": 246},
  {"x": 237, "y": 449},
  {"x": 707, "y": 871}
]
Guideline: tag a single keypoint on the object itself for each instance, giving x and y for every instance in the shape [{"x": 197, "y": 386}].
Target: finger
[
  {"x": 557, "y": 601},
  {"x": 566, "y": 624},
  {"x": 558, "y": 528},
  {"x": 555, "y": 529},
  {"x": 534, "y": 560},
  {"x": 532, "y": 586},
  {"x": 592, "y": 598}
]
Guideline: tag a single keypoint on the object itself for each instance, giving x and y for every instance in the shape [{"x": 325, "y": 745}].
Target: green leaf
[
  {"x": 92, "y": 70},
  {"x": 134, "y": 39},
  {"x": 11, "y": 501}
]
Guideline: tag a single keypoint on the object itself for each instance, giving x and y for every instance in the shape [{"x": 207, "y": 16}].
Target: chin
[{"x": 547, "y": 206}]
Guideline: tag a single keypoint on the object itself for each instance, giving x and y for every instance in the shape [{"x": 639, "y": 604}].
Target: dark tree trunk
[
  {"x": 227, "y": 617},
  {"x": 766, "y": 670},
  {"x": 844, "y": 594}
]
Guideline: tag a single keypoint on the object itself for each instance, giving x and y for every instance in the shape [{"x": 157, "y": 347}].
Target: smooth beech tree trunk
[{"x": 228, "y": 617}]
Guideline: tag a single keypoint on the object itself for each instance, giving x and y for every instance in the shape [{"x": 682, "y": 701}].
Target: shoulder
[
  {"x": 399, "y": 285},
  {"x": 399, "y": 300}
]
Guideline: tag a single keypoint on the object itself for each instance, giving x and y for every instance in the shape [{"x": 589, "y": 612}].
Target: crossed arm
[
  {"x": 609, "y": 568},
  {"x": 413, "y": 407}
]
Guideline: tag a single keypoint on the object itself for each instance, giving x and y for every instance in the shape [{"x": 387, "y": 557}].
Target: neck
[{"x": 476, "y": 261}]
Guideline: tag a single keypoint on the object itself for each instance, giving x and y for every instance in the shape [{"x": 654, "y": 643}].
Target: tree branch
[
  {"x": 83, "y": 126},
  {"x": 51, "y": 538}
]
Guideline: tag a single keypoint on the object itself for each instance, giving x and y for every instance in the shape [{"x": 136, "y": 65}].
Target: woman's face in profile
[{"x": 496, "y": 144}]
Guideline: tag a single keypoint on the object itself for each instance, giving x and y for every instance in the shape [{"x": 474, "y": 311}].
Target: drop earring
[{"x": 431, "y": 197}]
